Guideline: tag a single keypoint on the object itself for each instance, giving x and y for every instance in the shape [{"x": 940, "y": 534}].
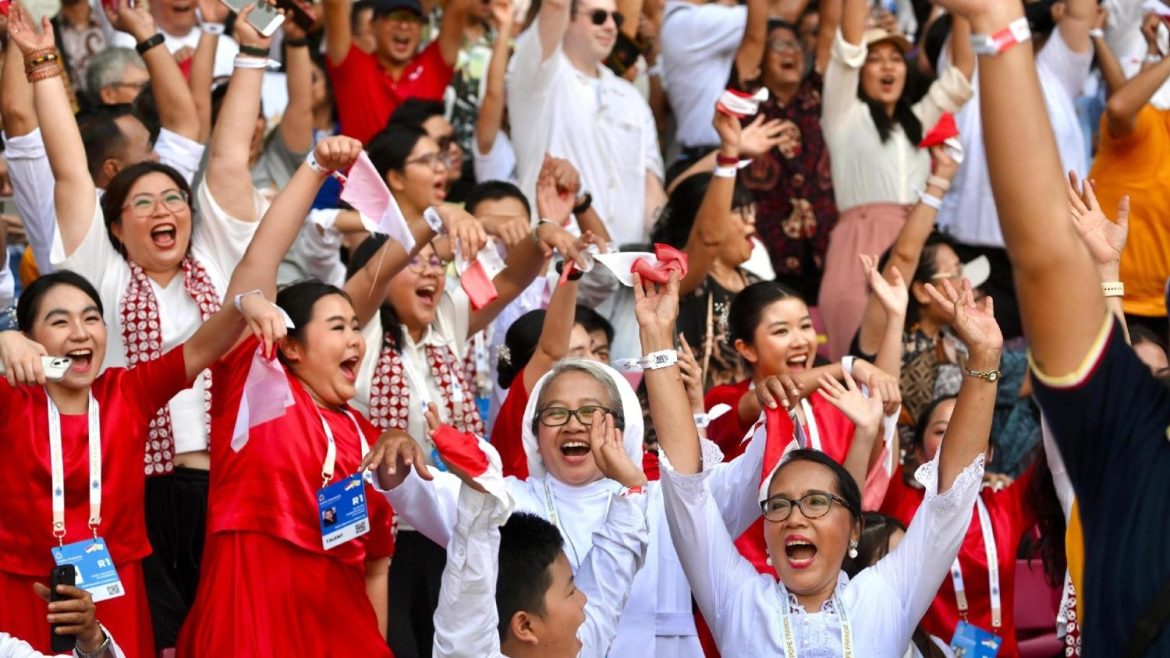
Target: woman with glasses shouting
[{"x": 812, "y": 508}]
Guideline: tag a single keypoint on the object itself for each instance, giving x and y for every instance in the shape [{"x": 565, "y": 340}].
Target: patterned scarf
[
  {"x": 142, "y": 336},
  {"x": 390, "y": 389}
]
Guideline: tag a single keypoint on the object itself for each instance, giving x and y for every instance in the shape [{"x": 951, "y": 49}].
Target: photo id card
[
  {"x": 974, "y": 642},
  {"x": 341, "y": 511},
  {"x": 95, "y": 568}
]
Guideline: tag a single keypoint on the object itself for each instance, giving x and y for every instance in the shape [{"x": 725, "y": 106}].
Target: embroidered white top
[{"x": 883, "y": 603}]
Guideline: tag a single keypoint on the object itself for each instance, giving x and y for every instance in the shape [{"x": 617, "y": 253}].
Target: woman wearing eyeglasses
[
  {"x": 417, "y": 346},
  {"x": 567, "y": 486},
  {"x": 812, "y": 509}
]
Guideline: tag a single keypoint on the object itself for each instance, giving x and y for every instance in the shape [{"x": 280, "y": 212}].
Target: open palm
[
  {"x": 24, "y": 33},
  {"x": 1105, "y": 239},
  {"x": 974, "y": 324}
]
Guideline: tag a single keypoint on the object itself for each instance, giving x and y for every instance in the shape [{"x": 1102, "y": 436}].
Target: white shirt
[
  {"x": 226, "y": 47},
  {"x": 968, "y": 212},
  {"x": 452, "y": 319},
  {"x": 218, "y": 242},
  {"x": 883, "y": 603},
  {"x": 1124, "y": 35},
  {"x": 699, "y": 42},
  {"x": 600, "y": 124},
  {"x": 11, "y": 647},
  {"x": 7, "y": 282},
  {"x": 499, "y": 163},
  {"x": 866, "y": 169},
  {"x": 466, "y": 619}
]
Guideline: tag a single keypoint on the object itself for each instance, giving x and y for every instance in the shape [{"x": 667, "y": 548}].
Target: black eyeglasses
[
  {"x": 598, "y": 16},
  {"x": 812, "y": 505},
  {"x": 557, "y": 416}
]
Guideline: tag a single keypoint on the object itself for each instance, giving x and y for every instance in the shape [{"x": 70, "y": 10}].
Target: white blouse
[
  {"x": 883, "y": 604},
  {"x": 866, "y": 169}
]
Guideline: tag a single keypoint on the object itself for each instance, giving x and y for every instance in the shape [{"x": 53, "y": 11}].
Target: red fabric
[
  {"x": 128, "y": 400},
  {"x": 650, "y": 465},
  {"x": 461, "y": 450},
  {"x": 727, "y": 431},
  {"x": 271, "y": 598},
  {"x": 941, "y": 132},
  {"x": 270, "y": 486},
  {"x": 669, "y": 260},
  {"x": 366, "y": 96},
  {"x": 1011, "y": 519},
  {"x": 507, "y": 433},
  {"x": 127, "y": 617}
]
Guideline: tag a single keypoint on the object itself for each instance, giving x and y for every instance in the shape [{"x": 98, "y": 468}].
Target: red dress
[
  {"x": 268, "y": 587},
  {"x": 508, "y": 432},
  {"x": 1011, "y": 519},
  {"x": 128, "y": 400},
  {"x": 728, "y": 430}
]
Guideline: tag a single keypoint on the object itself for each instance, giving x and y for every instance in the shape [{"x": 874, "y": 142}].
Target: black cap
[{"x": 386, "y": 7}]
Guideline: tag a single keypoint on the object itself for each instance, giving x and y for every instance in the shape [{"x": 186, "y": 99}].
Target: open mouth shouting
[
  {"x": 575, "y": 450},
  {"x": 887, "y": 83},
  {"x": 164, "y": 236},
  {"x": 82, "y": 360},
  {"x": 797, "y": 361},
  {"x": 800, "y": 551},
  {"x": 349, "y": 368},
  {"x": 427, "y": 293}
]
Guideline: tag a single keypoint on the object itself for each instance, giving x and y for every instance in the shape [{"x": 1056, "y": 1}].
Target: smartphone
[
  {"x": 265, "y": 18},
  {"x": 302, "y": 12},
  {"x": 54, "y": 367},
  {"x": 64, "y": 574}
]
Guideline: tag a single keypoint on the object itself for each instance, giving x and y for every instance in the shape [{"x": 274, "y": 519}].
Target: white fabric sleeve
[
  {"x": 93, "y": 255},
  {"x": 466, "y": 619},
  {"x": 429, "y": 507},
  {"x": 734, "y": 485},
  {"x": 32, "y": 192},
  {"x": 221, "y": 237},
  {"x": 7, "y": 282},
  {"x": 618, "y": 552},
  {"x": 1060, "y": 479},
  {"x": 499, "y": 163},
  {"x": 718, "y": 575},
  {"x": 317, "y": 250},
  {"x": 179, "y": 152},
  {"x": 1071, "y": 69},
  {"x": 839, "y": 91},
  {"x": 530, "y": 76},
  {"x": 915, "y": 569},
  {"x": 948, "y": 93},
  {"x": 11, "y": 647},
  {"x": 711, "y": 28}
]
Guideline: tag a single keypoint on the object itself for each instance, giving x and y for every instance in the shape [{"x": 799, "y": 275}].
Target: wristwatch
[
  {"x": 992, "y": 375},
  {"x": 583, "y": 203},
  {"x": 150, "y": 42},
  {"x": 99, "y": 651},
  {"x": 434, "y": 221}
]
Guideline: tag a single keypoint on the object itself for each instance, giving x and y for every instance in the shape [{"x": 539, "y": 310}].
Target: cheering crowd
[{"x": 562, "y": 328}]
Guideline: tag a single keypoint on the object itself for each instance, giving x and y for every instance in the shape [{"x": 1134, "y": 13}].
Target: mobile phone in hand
[
  {"x": 64, "y": 574},
  {"x": 301, "y": 11},
  {"x": 265, "y": 17},
  {"x": 54, "y": 367}
]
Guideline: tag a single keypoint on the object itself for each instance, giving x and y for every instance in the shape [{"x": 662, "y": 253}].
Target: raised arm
[
  {"x": 491, "y": 106},
  {"x": 710, "y": 227},
  {"x": 229, "y": 175},
  {"x": 750, "y": 55},
  {"x": 552, "y": 20},
  {"x": 338, "y": 30},
  {"x": 296, "y": 124},
  {"x": 962, "y": 54},
  {"x": 451, "y": 30},
  {"x": 74, "y": 192},
  {"x": 554, "y": 334},
  {"x": 853, "y": 14},
  {"x": 891, "y": 297},
  {"x": 866, "y": 415},
  {"x": 830, "y": 20},
  {"x": 1111, "y": 71},
  {"x": 1123, "y": 107},
  {"x": 1074, "y": 26},
  {"x": 176, "y": 107},
  {"x": 16, "y": 95},
  {"x": 202, "y": 76}
]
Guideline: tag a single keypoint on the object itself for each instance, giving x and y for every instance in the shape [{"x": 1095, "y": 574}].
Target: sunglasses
[{"x": 598, "y": 16}]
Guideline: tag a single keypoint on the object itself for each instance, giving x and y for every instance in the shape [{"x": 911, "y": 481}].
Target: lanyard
[
  {"x": 814, "y": 434},
  {"x": 57, "y": 464},
  {"x": 989, "y": 548},
  {"x": 331, "y": 449},
  {"x": 790, "y": 639},
  {"x": 551, "y": 506}
]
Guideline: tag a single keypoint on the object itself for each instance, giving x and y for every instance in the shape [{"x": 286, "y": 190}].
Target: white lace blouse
[{"x": 883, "y": 603}]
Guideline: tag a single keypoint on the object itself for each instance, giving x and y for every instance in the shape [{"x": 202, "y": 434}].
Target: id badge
[
  {"x": 95, "y": 568},
  {"x": 974, "y": 642},
  {"x": 341, "y": 511}
]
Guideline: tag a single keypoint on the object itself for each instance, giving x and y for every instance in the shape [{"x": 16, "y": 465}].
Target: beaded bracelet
[
  {"x": 44, "y": 72},
  {"x": 53, "y": 56}
]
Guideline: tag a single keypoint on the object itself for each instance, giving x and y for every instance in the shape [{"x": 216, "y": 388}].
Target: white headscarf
[{"x": 631, "y": 412}]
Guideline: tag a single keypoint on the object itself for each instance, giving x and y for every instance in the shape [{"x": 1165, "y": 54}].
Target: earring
[
  {"x": 853, "y": 549},
  {"x": 769, "y": 561}
]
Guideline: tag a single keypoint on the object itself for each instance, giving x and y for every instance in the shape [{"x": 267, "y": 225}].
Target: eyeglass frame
[
  {"x": 780, "y": 45},
  {"x": 155, "y": 201},
  {"x": 416, "y": 265},
  {"x": 798, "y": 503},
  {"x": 586, "y": 421},
  {"x": 431, "y": 159}
]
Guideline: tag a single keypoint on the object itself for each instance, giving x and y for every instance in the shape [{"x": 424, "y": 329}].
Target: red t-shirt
[
  {"x": 128, "y": 400},
  {"x": 270, "y": 485},
  {"x": 507, "y": 433},
  {"x": 367, "y": 96},
  {"x": 1011, "y": 519}
]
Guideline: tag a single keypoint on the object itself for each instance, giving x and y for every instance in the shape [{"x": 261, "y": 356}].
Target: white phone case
[{"x": 54, "y": 367}]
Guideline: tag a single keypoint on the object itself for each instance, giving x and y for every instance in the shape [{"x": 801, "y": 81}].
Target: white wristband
[
  {"x": 995, "y": 43},
  {"x": 245, "y": 62},
  {"x": 939, "y": 182},
  {"x": 1113, "y": 289},
  {"x": 214, "y": 29},
  {"x": 1096, "y": 33},
  {"x": 702, "y": 421},
  {"x": 241, "y": 296},
  {"x": 311, "y": 160},
  {"x": 659, "y": 359},
  {"x": 847, "y": 364},
  {"x": 930, "y": 200},
  {"x": 434, "y": 221},
  {"x": 726, "y": 172}
]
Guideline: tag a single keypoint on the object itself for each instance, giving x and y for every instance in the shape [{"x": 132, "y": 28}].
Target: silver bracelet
[{"x": 99, "y": 651}]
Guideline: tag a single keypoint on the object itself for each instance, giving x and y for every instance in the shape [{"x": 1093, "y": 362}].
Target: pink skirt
[
  {"x": 261, "y": 596},
  {"x": 866, "y": 229}
]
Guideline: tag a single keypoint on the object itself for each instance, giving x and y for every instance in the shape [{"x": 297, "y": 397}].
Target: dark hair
[
  {"x": 678, "y": 216},
  {"x": 1039, "y": 15},
  {"x": 413, "y": 112},
  {"x": 1140, "y": 333},
  {"x": 146, "y": 109},
  {"x": 355, "y": 13},
  {"x": 903, "y": 114},
  {"x": 390, "y": 149},
  {"x": 521, "y": 340},
  {"x": 874, "y": 544},
  {"x": 218, "y": 95},
  {"x": 391, "y": 325},
  {"x": 846, "y": 487},
  {"x": 935, "y": 38},
  {"x": 781, "y": 24},
  {"x": 528, "y": 547},
  {"x": 748, "y": 307},
  {"x": 298, "y": 300},
  {"x": 923, "y": 273},
  {"x": 918, "y": 439},
  {"x": 593, "y": 321},
  {"x": 118, "y": 189},
  {"x": 495, "y": 190},
  {"x": 101, "y": 136},
  {"x": 29, "y": 303}
]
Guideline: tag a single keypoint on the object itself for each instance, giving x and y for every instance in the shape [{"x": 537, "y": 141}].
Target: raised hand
[
  {"x": 213, "y": 11},
  {"x": 780, "y": 390},
  {"x": 245, "y": 34},
  {"x": 134, "y": 20},
  {"x": 265, "y": 320},
  {"x": 433, "y": 425},
  {"x": 973, "y": 323},
  {"x": 393, "y": 455},
  {"x": 1105, "y": 239},
  {"x": 554, "y": 238},
  {"x": 503, "y": 14},
  {"x": 21, "y": 358},
  {"x": 729, "y": 131},
  {"x": 337, "y": 152},
  {"x": 942, "y": 164},
  {"x": 893, "y": 294},
  {"x": 556, "y": 189},
  {"x": 758, "y": 137},
  {"x": 865, "y": 412},
  {"x": 609, "y": 452},
  {"x": 886, "y": 384},
  {"x": 24, "y": 33},
  {"x": 655, "y": 306},
  {"x": 464, "y": 230}
]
